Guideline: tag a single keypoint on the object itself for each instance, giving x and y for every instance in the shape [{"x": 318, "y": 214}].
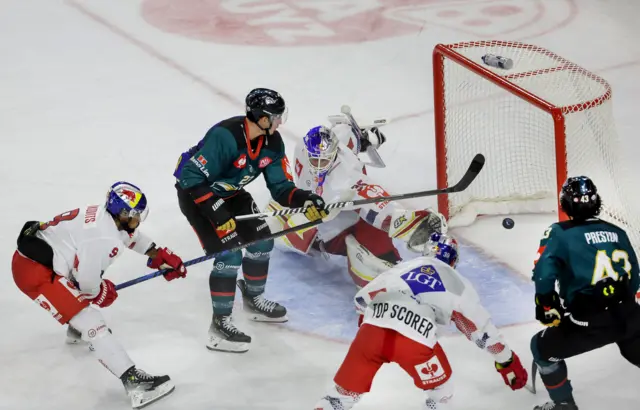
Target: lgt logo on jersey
[
  {"x": 424, "y": 279},
  {"x": 264, "y": 162},
  {"x": 241, "y": 162}
]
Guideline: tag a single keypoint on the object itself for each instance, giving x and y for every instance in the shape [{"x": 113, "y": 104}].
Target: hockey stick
[
  {"x": 195, "y": 261},
  {"x": 474, "y": 169},
  {"x": 534, "y": 373},
  {"x": 465, "y": 181}
]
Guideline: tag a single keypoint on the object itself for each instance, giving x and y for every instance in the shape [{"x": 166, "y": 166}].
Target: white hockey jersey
[
  {"x": 345, "y": 181},
  {"x": 416, "y": 296},
  {"x": 85, "y": 242}
]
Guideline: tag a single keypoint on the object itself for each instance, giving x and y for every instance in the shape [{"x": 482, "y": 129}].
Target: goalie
[{"x": 326, "y": 162}]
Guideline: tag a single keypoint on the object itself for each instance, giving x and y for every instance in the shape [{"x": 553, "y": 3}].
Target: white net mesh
[{"x": 519, "y": 138}]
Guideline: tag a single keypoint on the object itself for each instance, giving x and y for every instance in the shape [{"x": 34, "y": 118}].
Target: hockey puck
[{"x": 507, "y": 223}]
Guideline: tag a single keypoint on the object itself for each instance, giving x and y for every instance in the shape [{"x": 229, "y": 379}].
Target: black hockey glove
[
  {"x": 372, "y": 137},
  {"x": 313, "y": 203},
  {"x": 549, "y": 310}
]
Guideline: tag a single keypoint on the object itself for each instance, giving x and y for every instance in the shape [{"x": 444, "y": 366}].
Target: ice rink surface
[{"x": 94, "y": 92}]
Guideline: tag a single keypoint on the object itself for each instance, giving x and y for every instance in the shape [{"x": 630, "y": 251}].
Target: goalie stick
[
  {"x": 467, "y": 178},
  {"x": 465, "y": 181}
]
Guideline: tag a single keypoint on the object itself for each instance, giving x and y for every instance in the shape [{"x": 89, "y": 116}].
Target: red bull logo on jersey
[{"x": 424, "y": 279}]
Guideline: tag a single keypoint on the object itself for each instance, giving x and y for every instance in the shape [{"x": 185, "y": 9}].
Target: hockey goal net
[{"x": 544, "y": 119}]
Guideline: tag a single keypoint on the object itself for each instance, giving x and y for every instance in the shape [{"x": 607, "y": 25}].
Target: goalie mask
[
  {"x": 321, "y": 145},
  {"x": 442, "y": 247}
]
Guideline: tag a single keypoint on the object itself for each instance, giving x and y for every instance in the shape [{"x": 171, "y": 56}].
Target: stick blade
[{"x": 472, "y": 172}]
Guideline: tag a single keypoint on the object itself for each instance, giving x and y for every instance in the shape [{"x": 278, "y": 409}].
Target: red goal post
[{"x": 544, "y": 119}]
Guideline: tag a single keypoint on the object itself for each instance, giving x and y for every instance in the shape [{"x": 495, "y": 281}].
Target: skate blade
[
  {"x": 143, "y": 399},
  {"x": 221, "y": 345},
  {"x": 256, "y": 317}
]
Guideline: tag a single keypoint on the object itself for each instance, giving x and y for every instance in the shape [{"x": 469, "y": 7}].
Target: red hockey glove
[
  {"x": 107, "y": 294},
  {"x": 166, "y": 259},
  {"x": 512, "y": 372}
]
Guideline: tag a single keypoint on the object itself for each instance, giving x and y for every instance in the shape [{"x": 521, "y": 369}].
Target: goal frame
[{"x": 448, "y": 51}]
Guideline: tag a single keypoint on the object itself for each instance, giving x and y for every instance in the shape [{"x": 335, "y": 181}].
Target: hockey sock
[
  {"x": 105, "y": 347},
  {"x": 223, "y": 292},
  {"x": 255, "y": 275},
  {"x": 554, "y": 375}
]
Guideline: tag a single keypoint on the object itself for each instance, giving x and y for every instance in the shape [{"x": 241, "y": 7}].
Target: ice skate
[
  {"x": 260, "y": 309},
  {"x": 552, "y": 405},
  {"x": 144, "y": 389},
  {"x": 74, "y": 337},
  {"x": 224, "y": 336}
]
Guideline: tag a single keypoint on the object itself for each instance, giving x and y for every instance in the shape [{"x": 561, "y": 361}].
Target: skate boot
[
  {"x": 224, "y": 336},
  {"x": 553, "y": 405},
  {"x": 261, "y": 309},
  {"x": 74, "y": 337},
  {"x": 144, "y": 389}
]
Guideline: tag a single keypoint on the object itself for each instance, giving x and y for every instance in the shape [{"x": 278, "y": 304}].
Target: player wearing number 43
[
  {"x": 59, "y": 264},
  {"x": 596, "y": 269},
  {"x": 326, "y": 161},
  {"x": 401, "y": 310},
  {"x": 211, "y": 178}
]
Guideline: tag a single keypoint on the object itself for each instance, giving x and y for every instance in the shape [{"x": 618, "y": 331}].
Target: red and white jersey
[
  {"x": 346, "y": 180},
  {"x": 416, "y": 296},
  {"x": 85, "y": 242}
]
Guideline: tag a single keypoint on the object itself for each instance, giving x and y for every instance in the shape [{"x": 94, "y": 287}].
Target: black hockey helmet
[
  {"x": 263, "y": 102},
  {"x": 579, "y": 198}
]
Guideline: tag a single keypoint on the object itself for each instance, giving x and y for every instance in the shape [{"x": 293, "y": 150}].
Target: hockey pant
[
  {"x": 620, "y": 325},
  {"x": 374, "y": 346},
  {"x": 376, "y": 241},
  {"x": 60, "y": 298},
  {"x": 254, "y": 264}
]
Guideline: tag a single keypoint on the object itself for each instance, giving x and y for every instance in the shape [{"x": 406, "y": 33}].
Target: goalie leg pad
[
  {"x": 299, "y": 241},
  {"x": 102, "y": 343},
  {"x": 363, "y": 265}
]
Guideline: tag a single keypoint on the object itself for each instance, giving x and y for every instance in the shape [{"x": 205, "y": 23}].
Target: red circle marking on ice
[
  {"x": 448, "y": 14},
  {"x": 477, "y": 22},
  {"x": 501, "y": 11},
  {"x": 318, "y": 22}
]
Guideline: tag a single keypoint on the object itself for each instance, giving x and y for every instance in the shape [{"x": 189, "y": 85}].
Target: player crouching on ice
[
  {"x": 401, "y": 310},
  {"x": 326, "y": 161},
  {"x": 59, "y": 265},
  {"x": 596, "y": 269}
]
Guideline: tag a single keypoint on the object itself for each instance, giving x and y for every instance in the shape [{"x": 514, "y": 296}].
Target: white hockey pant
[{"x": 90, "y": 323}]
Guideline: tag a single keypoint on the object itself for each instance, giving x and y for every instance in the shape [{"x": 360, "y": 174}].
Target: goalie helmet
[
  {"x": 579, "y": 198},
  {"x": 321, "y": 146},
  {"x": 125, "y": 200},
  {"x": 442, "y": 247}
]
